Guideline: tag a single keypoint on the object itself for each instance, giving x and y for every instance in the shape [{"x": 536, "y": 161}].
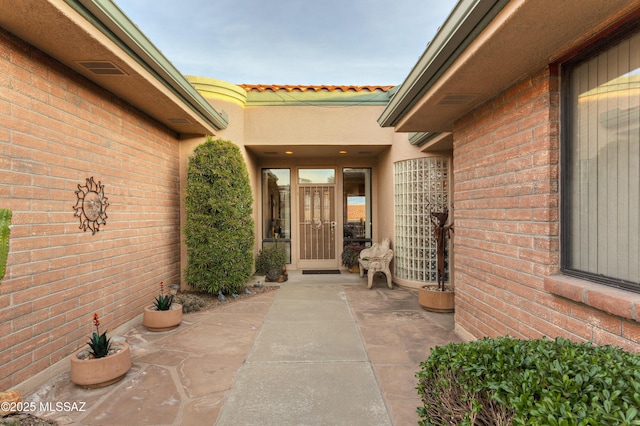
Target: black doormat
[{"x": 320, "y": 271}]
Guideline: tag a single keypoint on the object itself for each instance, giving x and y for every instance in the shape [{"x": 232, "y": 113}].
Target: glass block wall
[{"x": 420, "y": 183}]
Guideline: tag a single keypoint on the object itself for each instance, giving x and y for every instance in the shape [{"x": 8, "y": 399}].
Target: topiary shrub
[
  {"x": 506, "y": 381},
  {"x": 219, "y": 224}
]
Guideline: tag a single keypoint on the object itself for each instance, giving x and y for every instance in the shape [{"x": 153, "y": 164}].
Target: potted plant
[
  {"x": 351, "y": 255},
  {"x": 103, "y": 363},
  {"x": 440, "y": 297},
  {"x": 271, "y": 261},
  {"x": 164, "y": 314}
]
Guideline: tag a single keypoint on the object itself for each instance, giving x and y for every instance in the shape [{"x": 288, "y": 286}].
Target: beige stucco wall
[{"x": 315, "y": 125}]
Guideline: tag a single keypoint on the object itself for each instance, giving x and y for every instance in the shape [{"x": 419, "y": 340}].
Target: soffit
[
  {"x": 110, "y": 60},
  {"x": 523, "y": 37},
  {"x": 278, "y": 152}
]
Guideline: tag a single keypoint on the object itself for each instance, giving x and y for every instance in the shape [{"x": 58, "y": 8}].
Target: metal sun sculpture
[{"x": 91, "y": 206}]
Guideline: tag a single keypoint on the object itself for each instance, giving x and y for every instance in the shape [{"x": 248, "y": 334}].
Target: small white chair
[{"x": 376, "y": 258}]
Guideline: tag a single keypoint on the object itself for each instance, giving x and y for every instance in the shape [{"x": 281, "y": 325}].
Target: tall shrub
[{"x": 219, "y": 229}]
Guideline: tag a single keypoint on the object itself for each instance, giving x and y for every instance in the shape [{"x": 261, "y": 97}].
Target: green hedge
[
  {"x": 506, "y": 381},
  {"x": 219, "y": 225}
]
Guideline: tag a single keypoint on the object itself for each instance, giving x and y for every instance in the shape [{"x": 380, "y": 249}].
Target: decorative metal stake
[{"x": 441, "y": 232}]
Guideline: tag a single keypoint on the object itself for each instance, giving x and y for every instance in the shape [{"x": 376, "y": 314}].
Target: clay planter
[
  {"x": 284, "y": 276},
  {"x": 92, "y": 373},
  {"x": 156, "y": 320},
  {"x": 434, "y": 300}
]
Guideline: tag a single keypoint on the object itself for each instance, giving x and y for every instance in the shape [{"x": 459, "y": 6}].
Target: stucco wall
[
  {"x": 56, "y": 130},
  {"x": 315, "y": 125},
  {"x": 506, "y": 195}
]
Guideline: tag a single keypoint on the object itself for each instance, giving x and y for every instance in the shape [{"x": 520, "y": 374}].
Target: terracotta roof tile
[{"x": 296, "y": 88}]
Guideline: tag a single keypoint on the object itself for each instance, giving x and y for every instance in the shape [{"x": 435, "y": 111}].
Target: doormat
[{"x": 320, "y": 271}]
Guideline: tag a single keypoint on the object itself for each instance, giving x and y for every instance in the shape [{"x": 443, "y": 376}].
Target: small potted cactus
[{"x": 164, "y": 314}]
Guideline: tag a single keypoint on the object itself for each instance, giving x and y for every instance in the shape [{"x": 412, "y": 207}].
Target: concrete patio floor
[{"x": 321, "y": 350}]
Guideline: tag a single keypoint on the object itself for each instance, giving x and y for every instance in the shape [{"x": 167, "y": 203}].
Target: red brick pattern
[
  {"x": 56, "y": 130},
  {"x": 506, "y": 199}
]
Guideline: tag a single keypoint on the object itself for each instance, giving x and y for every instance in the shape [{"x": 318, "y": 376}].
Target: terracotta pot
[
  {"x": 355, "y": 269},
  {"x": 434, "y": 300},
  {"x": 156, "y": 320},
  {"x": 99, "y": 372}
]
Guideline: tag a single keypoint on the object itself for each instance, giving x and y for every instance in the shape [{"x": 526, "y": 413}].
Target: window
[
  {"x": 601, "y": 165},
  {"x": 421, "y": 186},
  {"x": 356, "y": 203},
  {"x": 276, "y": 208}
]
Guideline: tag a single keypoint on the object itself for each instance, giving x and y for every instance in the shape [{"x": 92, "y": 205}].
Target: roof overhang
[
  {"x": 97, "y": 40},
  {"x": 484, "y": 47}
]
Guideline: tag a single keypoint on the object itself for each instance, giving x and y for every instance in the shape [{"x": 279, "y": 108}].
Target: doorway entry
[
  {"x": 317, "y": 223},
  {"x": 317, "y": 218},
  {"x": 311, "y": 213}
]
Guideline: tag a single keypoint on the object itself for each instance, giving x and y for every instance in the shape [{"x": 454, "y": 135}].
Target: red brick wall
[
  {"x": 56, "y": 130},
  {"x": 506, "y": 199}
]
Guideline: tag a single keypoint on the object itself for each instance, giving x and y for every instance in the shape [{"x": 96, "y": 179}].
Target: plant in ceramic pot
[
  {"x": 272, "y": 261},
  {"x": 103, "y": 363},
  {"x": 350, "y": 256},
  {"x": 440, "y": 297},
  {"x": 164, "y": 314}
]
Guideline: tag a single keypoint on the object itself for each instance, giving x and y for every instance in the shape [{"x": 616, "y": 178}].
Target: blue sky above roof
[{"x": 301, "y": 42}]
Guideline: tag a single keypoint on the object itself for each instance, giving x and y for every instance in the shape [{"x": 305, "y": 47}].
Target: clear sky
[{"x": 299, "y": 42}]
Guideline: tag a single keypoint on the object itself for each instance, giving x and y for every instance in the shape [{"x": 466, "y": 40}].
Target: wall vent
[
  {"x": 456, "y": 99},
  {"x": 102, "y": 67},
  {"x": 179, "y": 121}
]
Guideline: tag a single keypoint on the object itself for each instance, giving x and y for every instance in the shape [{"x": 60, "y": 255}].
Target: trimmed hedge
[
  {"x": 219, "y": 227},
  {"x": 505, "y": 381}
]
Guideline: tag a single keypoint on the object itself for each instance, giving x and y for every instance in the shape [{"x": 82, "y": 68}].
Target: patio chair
[{"x": 376, "y": 258}]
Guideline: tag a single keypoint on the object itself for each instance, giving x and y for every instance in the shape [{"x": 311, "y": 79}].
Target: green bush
[
  {"x": 270, "y": 262},
  {"x": 219, "y": 226},
  {"x": 506, "y": 381}
]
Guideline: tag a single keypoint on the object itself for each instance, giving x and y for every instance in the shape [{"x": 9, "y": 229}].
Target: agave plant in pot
[
  {"x": 104, "y": 363},
  {"x": 164, "y": 314}
]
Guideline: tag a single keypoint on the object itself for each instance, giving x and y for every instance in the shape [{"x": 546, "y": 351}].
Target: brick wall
[
  {"x": 56, "y": 130},
  {"x": 506, "y": 199}
]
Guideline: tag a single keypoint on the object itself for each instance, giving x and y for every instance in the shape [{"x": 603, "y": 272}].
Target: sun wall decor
[{"x": 91, "y": 206}]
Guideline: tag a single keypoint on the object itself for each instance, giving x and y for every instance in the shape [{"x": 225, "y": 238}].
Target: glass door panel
[
  {"x": 356, "y": 207},
  {"x": 276, "y": 209}
]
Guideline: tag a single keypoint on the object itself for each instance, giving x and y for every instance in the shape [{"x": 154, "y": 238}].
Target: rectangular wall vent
[
  {"x": 102, "y": 67},
  {"x": 179, "y": 121},
  {"x": 456, "y": 99}
]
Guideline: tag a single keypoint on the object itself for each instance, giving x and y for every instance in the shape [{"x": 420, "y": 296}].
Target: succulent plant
[
  {"x": 99, "y": 343},
  {"x": 162, "y": 302}
]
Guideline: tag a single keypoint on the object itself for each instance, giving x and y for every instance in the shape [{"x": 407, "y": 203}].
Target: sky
[{"x": 297, "y": 42}]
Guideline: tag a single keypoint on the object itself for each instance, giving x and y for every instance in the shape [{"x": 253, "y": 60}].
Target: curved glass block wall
[{"x": 421, "y": 186}]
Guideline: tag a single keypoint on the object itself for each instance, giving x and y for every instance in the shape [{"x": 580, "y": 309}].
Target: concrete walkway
[{"x": 321, "y": 350}]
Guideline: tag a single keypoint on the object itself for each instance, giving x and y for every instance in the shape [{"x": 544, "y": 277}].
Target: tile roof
[{"x": 296, "y": 88}]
